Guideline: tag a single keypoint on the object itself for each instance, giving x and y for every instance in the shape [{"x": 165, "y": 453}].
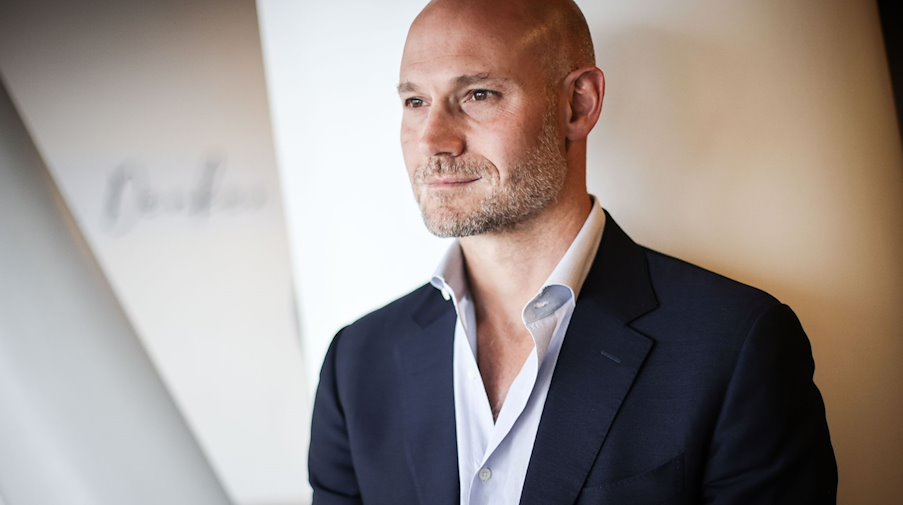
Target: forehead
[{"x": 442, "y": 48}]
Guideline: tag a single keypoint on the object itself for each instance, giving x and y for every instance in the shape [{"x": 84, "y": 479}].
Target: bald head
[
  {"x": 553, "y": 32},
  {"x": 498, "y": 100}
]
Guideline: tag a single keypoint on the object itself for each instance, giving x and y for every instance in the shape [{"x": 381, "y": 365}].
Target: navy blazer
[{"x": 674, "y": 385}]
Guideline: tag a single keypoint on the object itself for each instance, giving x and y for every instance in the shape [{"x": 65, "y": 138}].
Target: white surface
[
  {"x": 169, "y": 91},
  {"x": 755, "y": 138},
  {"x": 356, "y": 234},
  {"x": 84, "y": 418}
]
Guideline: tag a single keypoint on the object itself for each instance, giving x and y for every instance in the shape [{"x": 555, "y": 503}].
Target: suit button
[{"x": 485, "y": 474}]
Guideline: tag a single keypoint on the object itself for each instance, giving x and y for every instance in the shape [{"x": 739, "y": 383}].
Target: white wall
[
  {"x": 755, "y": 138},
  {"x": 356, "y": 235}
]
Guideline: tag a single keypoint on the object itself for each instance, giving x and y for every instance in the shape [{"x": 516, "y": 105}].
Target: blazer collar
[
  {"x": 599, "y": 360},
  {"x": 425, "y": 360}
]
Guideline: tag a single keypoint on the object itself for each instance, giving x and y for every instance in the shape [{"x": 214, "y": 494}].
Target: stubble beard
[{"x": 533, "y": 183}]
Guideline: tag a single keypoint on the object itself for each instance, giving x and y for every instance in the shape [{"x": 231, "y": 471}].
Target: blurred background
[{"x": 195, "y": 196}]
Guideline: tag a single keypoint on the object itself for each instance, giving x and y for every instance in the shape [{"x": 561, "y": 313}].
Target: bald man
[{"x": 551, "y": 360}]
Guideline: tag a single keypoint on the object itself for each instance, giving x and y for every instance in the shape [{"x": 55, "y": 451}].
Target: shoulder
[
  {"x": 701, "y": 309},
  {"x": 636, "y": 280},
  {"x": 388, "y": 323},
  {"x": 397, "y": 312},
  {"x": 363, "y": 355},
  {"x": 703, "y": 315},
  {"x": 676, "y": 281}
]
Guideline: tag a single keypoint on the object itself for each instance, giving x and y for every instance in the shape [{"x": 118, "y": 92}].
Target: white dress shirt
[{"x": 493, "y": 456}]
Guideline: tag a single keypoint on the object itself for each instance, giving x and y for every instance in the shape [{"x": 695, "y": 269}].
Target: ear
[{"x": 586, "y": 89}]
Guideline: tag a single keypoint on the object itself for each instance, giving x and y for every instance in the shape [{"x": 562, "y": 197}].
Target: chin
[{"x": 446, "y": 221}]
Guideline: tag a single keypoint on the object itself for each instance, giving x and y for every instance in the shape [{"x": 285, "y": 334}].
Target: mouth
[{"x": 450, "y": 182}]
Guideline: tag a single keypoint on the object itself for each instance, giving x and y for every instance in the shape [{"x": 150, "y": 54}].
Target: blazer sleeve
[
  {"x": 330, "y": 466},
  {"x": 771, "y": 443}
]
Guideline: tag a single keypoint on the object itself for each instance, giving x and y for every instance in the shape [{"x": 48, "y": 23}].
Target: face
[{"x": 480, "y": 132}]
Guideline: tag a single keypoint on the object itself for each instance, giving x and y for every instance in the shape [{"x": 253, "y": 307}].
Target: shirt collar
[
  {"x": 449, "y": 277},
  {"x": 573, "y": 267},
  {"x": 570, "y": 272}
]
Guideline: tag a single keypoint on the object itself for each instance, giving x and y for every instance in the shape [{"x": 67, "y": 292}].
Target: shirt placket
[{"x": 487, "y": 483}]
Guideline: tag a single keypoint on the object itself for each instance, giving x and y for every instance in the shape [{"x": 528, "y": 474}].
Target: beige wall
[
  {"x": 756, "y": 138},
  {"x": 760, "y": 140}
]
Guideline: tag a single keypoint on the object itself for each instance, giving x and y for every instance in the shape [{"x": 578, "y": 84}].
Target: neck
[{"x": 505, "y": 269}]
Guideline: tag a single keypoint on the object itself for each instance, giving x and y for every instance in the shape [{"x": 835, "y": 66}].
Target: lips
[{"x": 450, "y": 182}]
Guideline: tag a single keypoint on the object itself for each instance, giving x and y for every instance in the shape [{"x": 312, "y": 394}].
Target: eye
[
  {"x": 413, "y": 103},
  {"x": 480, "y": 95}
]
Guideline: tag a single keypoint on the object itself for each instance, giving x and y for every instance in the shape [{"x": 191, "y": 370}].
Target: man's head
[{"x": 498, "y": 99}]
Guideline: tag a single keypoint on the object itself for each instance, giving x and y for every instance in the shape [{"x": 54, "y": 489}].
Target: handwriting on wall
[{"x": 131, "y": 197}]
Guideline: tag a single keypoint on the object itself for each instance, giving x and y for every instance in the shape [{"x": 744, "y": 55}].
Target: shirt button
[{"x": 485, "y": 474}]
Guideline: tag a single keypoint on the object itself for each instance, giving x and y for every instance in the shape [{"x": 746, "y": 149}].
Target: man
[{"x": 551, "y": 360}]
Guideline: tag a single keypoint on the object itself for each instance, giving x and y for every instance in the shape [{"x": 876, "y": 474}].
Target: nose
[{"x": 441, "y": 135}]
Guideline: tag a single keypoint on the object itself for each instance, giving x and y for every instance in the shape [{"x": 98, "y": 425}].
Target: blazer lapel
[
  {"x": 425, "y": 358},
  {"x": 599, "y": 359}
]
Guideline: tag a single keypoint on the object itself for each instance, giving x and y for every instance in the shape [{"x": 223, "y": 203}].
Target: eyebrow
[{"x": 460, "y": 81}]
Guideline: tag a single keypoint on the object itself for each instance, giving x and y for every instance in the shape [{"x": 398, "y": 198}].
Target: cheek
[
  {"x": 502, "y": 148},
  {"x": 412, "y": 122},
  {"x": 409, "y": 136},
  {"x": 524, "y": 136},
  {"x": 409, "y": 153}
]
